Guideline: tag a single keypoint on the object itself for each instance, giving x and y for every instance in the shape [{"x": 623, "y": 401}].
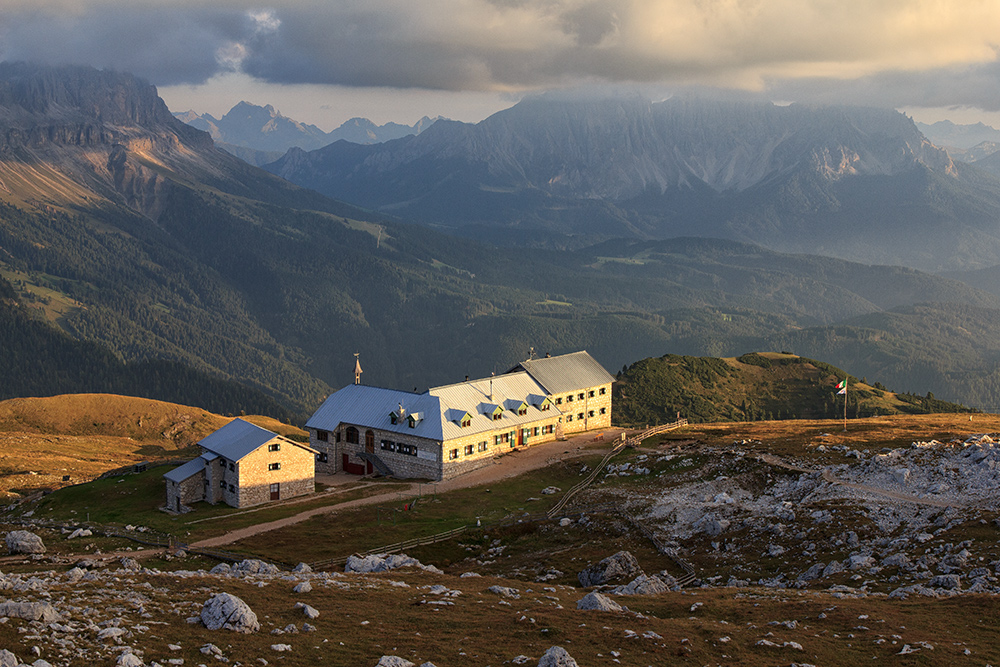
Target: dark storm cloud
[
  {"x": 162, "y": 44},
  {"x": 905, "y": 52}
]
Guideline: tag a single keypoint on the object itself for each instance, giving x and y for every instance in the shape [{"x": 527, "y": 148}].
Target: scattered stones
[
  {"x": 226, "y": 611},
  {"x": 505, "y": 591},
  {"x": 80, "y": 532}
]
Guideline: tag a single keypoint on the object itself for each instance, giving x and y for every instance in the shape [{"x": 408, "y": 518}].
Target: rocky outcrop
[
  {"x": 24, "y": 542},
  {"x": 226, "y": 611},
  {"x": 383, "y": 563},
  {"x": 619, "y": 567}
]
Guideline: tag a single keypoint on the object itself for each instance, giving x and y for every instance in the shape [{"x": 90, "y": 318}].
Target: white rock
[
  {"x": 393, "y": 661},
  {"x": 24, "y": 542},
  {"x": 8, "y": 659},
  {"x": 594, "y": 601},
  {"x": 227, "y": 611},
  {"x": 304, "y": 587},
  {"x": 129, "y": 659},
  {"x": 557, "y": 656},
  {"x": 281, "y": 648}
]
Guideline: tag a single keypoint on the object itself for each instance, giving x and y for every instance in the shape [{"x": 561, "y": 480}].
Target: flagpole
[{"x": 845, "y": 405}]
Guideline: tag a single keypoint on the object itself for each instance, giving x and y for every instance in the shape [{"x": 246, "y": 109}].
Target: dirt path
[
  {"x": 828, "y": 477},
  {"x": 506, "y": 466}
]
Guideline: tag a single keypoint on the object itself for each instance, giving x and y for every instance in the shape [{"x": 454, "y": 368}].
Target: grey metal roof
[
  {"x": 186, "y": 471},
  {"x": 509, "y": 391},
  {"x": 567, "y": 372},
  {"x": 236, "y": 439},
  {"x": 362, "y": 405}
]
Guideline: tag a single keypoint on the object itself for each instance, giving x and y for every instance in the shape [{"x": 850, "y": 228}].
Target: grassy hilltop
[{"x": 753, "y": 387}]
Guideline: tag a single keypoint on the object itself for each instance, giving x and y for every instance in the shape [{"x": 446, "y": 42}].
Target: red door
[
  {"x": 275, "y": 492},
  {"x": 520, "y": 437}
]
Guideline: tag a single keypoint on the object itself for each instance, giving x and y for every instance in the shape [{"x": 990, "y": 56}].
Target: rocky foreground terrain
[{"x": 831, "y": 551}]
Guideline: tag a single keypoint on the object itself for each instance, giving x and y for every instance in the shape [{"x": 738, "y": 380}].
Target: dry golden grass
[
  {"x": 796, "y": 436},
  {"x": 83, "y": 435}
]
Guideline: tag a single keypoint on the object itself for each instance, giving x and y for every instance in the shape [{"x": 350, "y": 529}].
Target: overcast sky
[{"x": 324, "y": 61}]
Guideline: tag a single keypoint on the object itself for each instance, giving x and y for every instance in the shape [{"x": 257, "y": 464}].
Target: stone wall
[
  {"x": 295, "y": 477},
  {"x": 189, "y": 491},
  {"x": 593, "y": 401}
]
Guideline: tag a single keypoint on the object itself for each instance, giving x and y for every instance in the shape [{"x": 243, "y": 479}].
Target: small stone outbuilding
[{"x": 242, "y": 465}]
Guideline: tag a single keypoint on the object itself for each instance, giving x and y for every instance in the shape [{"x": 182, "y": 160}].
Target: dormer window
[
  {"x": 393, "y": 418},
  {"x": 466, "y": 422},
  {"x": 414, "y": 418}
]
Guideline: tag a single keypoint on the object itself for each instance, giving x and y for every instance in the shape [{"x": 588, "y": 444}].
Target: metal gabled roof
[
  {"x": 480, "y": 398},
  {"x": 186, "y": 471},
  {"x": 237, "y": 439},
  {"x": 366, "y": 406},
  {"x": 567, "y": 372}
]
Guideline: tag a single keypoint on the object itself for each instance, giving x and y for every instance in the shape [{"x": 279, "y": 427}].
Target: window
[
  {"x": 222, "y": 484},
  {"x": 393, "y": 418},
  {"x": 497, "y": 416},
  {"x": 388, "y": 445},
  {"x": 483, "y": 446},
  {"x": 466, "y": 421},
  {"x": 274, "y": 466},
  {"x": 590, "y": 393},
  {"x": 522, "y": 411},
  {"x": 580, "y": 396},
  {"x": 323, "y": 457},
  {"x": 559, "y": 401},
  {"x": 590, "y": 414},
  {"x": 353, "y": 435},
  {"x": 232, "y": 489},
  {"x": 601, "y": 391},
  {"x": 468, "y": 449},
  {"x": 544, "y": 405},
  {"x": 604, "y": 411},
  {"x": 569, "y": 399},
  {"x": 579, "y": 415},
  {"x": 569, "y": 418},
  {"x": 536, "y": 431},
  {"x": 453, "y": 454},
  {"x": 338, "y": 436},
  {"x": 232, "y": 467},
  {"x": 322, "y": 436},
  {"x": 274, "y": 447},
  {"x": 496, "y": 440}
]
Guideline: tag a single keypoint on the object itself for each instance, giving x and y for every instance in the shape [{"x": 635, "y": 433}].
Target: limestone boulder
[
  {"x": 557, "y": 656},
  {"x": 594, "y": 601},
  {"x": 30, "y": 611},
  {"x": 617, "y": 568},
  {"x": 226, "y": 611},
  {"x": 393, "y": 661},
  {"x": 24, "y": 542},
  {"x": 642, "y": 585}
]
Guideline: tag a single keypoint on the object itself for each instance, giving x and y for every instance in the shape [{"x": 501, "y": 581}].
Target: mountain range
[
  {"x": 858, "y": 183},
  {"x": 127, "y": 229},
  {"x": 260, "y": 134}
]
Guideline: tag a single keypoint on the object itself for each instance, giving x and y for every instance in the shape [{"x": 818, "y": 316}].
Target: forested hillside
[
  {"x": 40, "y": 360},
  {"x": 753, "y": 387}
]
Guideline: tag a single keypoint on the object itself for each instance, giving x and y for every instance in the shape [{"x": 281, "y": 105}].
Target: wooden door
[
  {"x": 275, "y": 492},
  {"x": 369, "y": 442}
]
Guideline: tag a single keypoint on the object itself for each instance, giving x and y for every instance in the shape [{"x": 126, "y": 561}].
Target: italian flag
[{"x": 842, "y": 386}]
